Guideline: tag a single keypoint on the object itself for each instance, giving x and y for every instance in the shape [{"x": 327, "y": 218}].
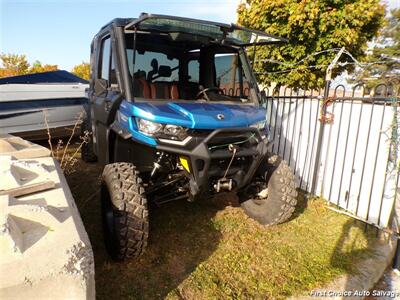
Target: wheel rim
[{"x": 261, "y": 196}]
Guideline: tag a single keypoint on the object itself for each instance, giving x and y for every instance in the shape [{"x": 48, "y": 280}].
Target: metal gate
[{"x": 342, "y": 145}]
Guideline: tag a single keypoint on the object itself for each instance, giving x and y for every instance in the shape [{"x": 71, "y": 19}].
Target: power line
[
  {"x": 295, "y": 69},
  {"x": 300, "y": 61}
]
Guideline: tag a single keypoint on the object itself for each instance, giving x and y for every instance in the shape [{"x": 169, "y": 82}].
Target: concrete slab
[
  {"x": 20, "y": 148},
  {"x": 45, "y": 252},
  {"x": 19, "y": 173}
]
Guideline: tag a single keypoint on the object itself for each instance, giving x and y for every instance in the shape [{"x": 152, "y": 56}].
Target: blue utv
[{"x": 175, "y": 112}]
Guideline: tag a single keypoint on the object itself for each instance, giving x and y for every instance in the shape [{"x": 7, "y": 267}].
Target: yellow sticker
[{"x": 185, "y": 164}]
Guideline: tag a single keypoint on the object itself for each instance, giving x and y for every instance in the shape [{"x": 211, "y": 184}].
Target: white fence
[{"x": 358, "y": 167}]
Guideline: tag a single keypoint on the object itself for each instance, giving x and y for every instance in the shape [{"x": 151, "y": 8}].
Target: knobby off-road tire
[
  {"x": 281, "y": 200},
  {"x": 87, "y": 153},
  {"x": 124, "y": 211}
]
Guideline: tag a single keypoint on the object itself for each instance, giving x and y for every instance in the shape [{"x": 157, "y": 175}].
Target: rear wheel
[
  {"x": 87, "y": 153},
  {"x": 124, "y": 211},
  {"x": 276, "y": 197}
]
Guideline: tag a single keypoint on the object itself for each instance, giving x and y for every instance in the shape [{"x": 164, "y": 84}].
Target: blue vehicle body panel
[{"x": 190, "y": 115}]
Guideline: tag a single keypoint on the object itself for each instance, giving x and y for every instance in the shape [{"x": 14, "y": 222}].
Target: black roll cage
[
  {"x": 225, "y": 28},
  {"x": 119, "y": 27}
]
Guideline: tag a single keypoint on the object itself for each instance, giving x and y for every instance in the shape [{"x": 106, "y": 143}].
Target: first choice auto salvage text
[{"x": 356, "y": 293}]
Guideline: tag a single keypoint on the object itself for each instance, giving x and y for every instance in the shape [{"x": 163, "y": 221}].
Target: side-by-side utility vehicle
[{"x": 176, "y": 113}]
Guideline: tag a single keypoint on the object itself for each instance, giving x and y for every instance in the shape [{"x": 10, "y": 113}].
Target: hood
[{"x": 197, "y": 115}]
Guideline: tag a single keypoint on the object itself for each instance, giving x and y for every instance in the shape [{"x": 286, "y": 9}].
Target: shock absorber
[{"x": 157, "y": 164}]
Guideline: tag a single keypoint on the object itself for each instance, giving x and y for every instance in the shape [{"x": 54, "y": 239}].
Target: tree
[
  {"x": 382, "y": 63},
  {"x": 13, "y": 64},
  {"x": 37, "y": 67},
  {"x": 310, "y": 26},
  {"x": 82, "y": 70}
]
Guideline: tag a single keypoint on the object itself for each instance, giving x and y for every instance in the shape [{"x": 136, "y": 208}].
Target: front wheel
[
  {"x": 124, "y": 211},
  {"x": 276, "y": 197}
]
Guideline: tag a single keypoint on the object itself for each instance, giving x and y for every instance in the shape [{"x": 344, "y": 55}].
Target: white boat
[{"x": 28, "y": 101}]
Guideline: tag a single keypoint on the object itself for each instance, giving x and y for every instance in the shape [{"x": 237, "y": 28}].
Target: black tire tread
[
  {"x": 282, "y": 195},
  {"x": 87, "y": 153},
  {"x": 131, "y": 216}
]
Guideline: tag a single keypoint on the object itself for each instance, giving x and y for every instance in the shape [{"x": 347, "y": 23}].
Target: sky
[{"x": 59, "y": 32}]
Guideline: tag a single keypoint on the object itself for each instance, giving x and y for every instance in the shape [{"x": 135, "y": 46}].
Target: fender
[
  {"x": 114, "y": 131},
  {"x": 120, "y": 130}
]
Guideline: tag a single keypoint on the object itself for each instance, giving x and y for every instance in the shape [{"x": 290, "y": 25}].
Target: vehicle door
[{"x": 105, "y": 96}]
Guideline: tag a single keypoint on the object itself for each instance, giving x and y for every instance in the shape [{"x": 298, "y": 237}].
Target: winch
[{"x": 225, "y": 183}]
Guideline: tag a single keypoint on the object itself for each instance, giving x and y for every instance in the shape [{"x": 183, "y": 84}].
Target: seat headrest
[
  {"x": 164, "y": 71},
  {"x": 139, "y": 74}
]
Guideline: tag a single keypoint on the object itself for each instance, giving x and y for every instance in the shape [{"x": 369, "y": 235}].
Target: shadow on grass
[
  {"x": 301, "y": 206},
  {"x": 354, "y": 244},
  {"x": 182, "y": 236}
]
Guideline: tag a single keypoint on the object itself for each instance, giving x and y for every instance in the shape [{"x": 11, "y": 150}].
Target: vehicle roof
[
  {"x": 122, "y": 22},
  {"x": 129, "y": 23},
  {"x": 118, "y": 22}
]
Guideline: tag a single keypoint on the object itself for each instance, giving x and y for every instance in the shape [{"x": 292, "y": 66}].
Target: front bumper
[{"x": 207, "y": 159}]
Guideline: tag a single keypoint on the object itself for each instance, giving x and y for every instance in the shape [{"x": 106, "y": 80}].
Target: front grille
[
  {"x": 219, "y": 166},
  {"x": 223, "y": 139}
]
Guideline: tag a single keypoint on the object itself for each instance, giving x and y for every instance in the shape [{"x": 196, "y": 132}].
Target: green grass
[{"x": 211, "y": 250}]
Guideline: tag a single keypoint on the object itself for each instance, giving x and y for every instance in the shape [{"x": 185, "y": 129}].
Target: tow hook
[{"x": 225, "y": 183}]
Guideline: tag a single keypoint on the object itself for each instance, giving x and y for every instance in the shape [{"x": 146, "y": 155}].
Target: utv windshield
[
  {"x": 231, "y": 34},
  {"x": 187, "y": 68}
]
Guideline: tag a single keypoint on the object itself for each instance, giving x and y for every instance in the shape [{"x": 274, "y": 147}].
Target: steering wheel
[{"x": 204, "y": 92}]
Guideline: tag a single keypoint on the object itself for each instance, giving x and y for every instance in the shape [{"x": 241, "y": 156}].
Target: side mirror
[{"x": 100, "y": 87}]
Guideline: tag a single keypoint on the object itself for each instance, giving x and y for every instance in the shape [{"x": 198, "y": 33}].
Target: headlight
[
  {"x": 260, "y": 125},
  {"x": 159, "y": 130},
  {"x": 173, "y": 130},
  {"x": 149, "y": 127}
]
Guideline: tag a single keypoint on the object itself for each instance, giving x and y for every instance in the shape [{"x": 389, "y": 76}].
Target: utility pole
[{"x": 328, "y": 79}]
